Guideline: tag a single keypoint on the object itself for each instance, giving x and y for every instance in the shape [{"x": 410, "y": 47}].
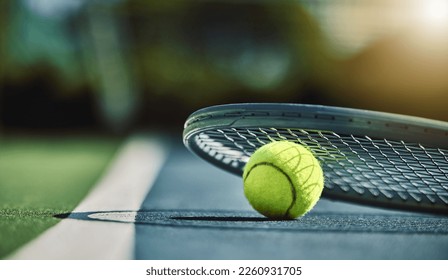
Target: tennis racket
[{"x": 372, "y": 158}]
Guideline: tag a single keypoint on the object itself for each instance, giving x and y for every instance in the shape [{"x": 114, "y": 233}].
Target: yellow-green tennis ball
[{"x": 283, "y": 180}]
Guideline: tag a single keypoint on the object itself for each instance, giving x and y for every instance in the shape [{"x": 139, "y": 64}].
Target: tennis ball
[{"x": 283, "y": 180}]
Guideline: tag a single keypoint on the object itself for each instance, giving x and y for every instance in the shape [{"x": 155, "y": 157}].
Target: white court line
[{"x": 124, "y": 187}]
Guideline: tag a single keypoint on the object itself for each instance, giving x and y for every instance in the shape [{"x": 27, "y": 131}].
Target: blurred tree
[
  {"x": 4, "y": 12},
  {"x": 43, "y": 80},
  {"x": 38, "y": 35},
  {"x": 403, "y": 74},
  {"x": 208, "y": 52},
  {"x": 401, "y": 57}
]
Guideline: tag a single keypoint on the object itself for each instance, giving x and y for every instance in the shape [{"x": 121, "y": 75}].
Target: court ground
[{"x": 158, "y": 201}]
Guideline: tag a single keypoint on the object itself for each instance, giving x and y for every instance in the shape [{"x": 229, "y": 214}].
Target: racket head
[{"x": 368, "y": 157}]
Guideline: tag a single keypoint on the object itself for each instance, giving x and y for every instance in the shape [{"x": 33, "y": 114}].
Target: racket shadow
[
  {"x": 151, "y": 216},
  {"x": 240, "y": 220}
]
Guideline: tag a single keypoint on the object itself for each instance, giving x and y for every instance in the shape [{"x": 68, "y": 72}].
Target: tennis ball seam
[{"x": 291, "y": 185}]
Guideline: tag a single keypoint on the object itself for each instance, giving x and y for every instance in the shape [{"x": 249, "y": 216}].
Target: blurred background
[
  {"x": 76, "y": 76},
  {"x": 117, "y": 65}
]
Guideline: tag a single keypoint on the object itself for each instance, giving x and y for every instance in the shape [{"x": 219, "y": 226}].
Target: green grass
[{"x": 44, "y": 176}]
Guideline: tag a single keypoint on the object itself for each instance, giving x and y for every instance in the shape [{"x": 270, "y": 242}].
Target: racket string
[
  {"x": 380, "y": 167},
  {"x": 393, "y": 168}
]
